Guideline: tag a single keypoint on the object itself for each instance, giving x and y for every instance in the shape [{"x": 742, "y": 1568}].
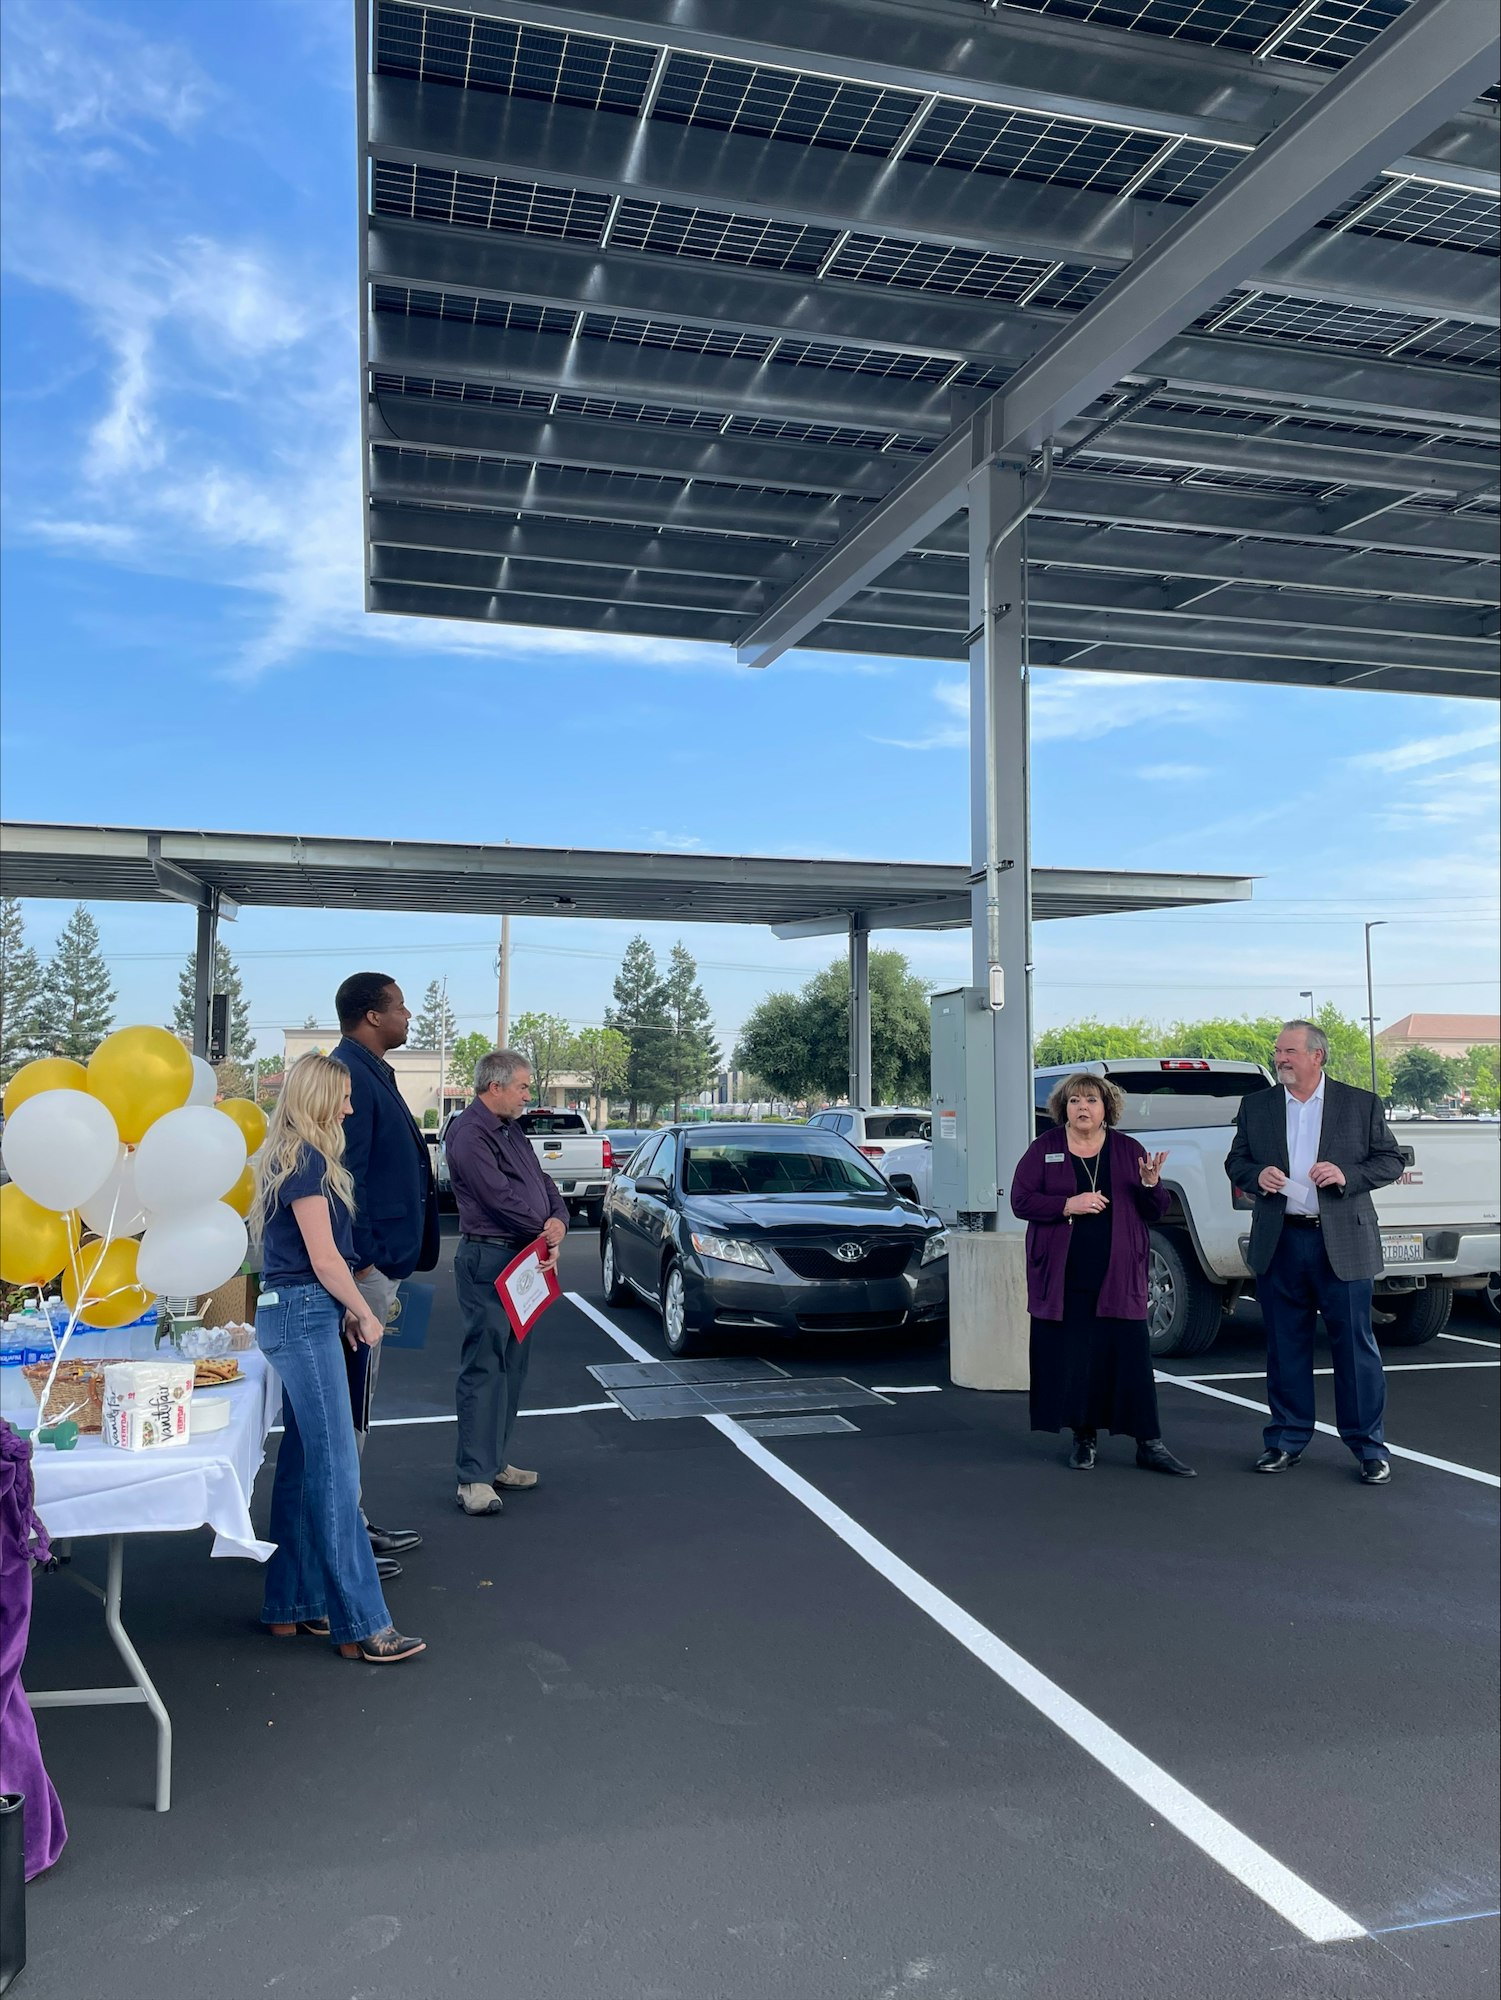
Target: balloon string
[{"x": 80, "y": 1291}]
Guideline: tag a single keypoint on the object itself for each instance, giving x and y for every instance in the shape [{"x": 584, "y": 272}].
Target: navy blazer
[{"x": 395, "y": 1201}]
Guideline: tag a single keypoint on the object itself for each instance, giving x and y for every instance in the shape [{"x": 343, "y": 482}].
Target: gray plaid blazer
[{"x": 1355, "y": 1137}]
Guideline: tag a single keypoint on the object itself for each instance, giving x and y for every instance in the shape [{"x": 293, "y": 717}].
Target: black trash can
[{"x": 12, "y": 1886}]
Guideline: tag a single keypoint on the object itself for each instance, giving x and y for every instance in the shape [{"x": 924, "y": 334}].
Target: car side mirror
[
  {"x": 653, "y": 1184},
  {"x": 905, "y": 1186}
]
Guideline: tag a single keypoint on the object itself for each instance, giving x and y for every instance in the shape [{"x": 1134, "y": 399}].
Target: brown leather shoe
[
  {"x": 511, "y": 1479},
  {"x": 479, "y": 1499}
]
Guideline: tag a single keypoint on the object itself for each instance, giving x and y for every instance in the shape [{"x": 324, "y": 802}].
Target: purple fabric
[
  {"x": 21, "y": 1766},
  {"x": 1039, "y": 1189},
  {"x": 498, "y": 1183}
]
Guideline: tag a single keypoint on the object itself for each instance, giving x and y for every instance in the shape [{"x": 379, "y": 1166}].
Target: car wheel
[
  {"x": 675, "y": 1329},
  {"x": 615, "y": 1289},
  {"x": 1408, "y": 1319},
  {"x": 1184, "y": 1310}
]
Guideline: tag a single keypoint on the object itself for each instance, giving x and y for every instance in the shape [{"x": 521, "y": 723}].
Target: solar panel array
[{"x": 651, "y": 324}]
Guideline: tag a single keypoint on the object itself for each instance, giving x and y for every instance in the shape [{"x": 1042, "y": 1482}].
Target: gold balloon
[
  {"x": 250, "y": 1118},
  {"x": 34, "y": 1241},
  {"x": 107, "y": 1274},
  {"x": 140, "y": 1074},
  {"x": 46, "y": 1073},
  {"x": 242, "y": 1194}
]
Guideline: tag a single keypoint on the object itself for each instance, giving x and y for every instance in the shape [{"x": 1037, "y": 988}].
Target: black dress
[{"x": 1091, "y": 1374}]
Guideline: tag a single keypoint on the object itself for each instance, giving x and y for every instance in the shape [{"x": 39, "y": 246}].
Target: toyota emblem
[{"x": 849, "y": 1253}]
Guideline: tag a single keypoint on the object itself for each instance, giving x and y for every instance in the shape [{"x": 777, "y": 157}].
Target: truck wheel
[
  {"x": 1184, "y": 1310},
  {"x": 1490, "y": 1298},
  {"x": 614, "y": 1287},
  {"x": 594, "y": 1212},
  {"x": 1416, "y": 1317}
]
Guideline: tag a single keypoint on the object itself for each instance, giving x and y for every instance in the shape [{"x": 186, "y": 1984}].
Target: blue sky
[{"x": 184, "y": 642}]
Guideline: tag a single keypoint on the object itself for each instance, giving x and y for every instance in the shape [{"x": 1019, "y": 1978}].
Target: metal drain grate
[
  {"x": 742, "y": 1399},
  {"x": 795, "y": 1427},
  {"x": 659, "y": 1374}
]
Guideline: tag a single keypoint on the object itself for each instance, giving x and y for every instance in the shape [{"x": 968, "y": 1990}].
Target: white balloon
[
  {"x": 188, "y": 1157},
  {"x": 186, "y": 1254},
  {"x": 116, "y": 1210},
  {"x": 205, "y": 1083},
  {"x": 61, "y": 1146}
]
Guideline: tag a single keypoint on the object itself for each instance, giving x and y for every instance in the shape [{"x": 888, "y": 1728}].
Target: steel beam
[
  {"x": 861, "y": 1089},
  {"x": 1434, "y": 58}
]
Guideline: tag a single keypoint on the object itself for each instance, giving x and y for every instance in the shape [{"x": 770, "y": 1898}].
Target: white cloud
[
  {"x": 1076, "y": 707},
  {"x": 1424, "y": 750},
  {"x": 1174, "y": 774},
  {"x": 79, "y": 73}
]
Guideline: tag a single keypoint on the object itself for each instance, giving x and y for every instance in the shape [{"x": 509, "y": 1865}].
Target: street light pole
[
  {"x": 503, "y": 984},
  {"x": 1370, "y": 999},
  {"x": 1309, "y": 998}
]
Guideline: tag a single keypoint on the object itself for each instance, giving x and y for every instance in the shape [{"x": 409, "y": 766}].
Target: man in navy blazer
[{"x": 395, "y": 1201}]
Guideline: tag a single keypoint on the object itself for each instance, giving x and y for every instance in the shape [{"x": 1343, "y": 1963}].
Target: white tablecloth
[{"x": 96, "y": 1489}]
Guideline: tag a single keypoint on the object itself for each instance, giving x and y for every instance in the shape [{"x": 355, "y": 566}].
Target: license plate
[{"x": 1402, "y": 1249}]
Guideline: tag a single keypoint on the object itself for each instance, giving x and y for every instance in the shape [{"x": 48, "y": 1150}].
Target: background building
[{"x": 1445, "y": 1034}]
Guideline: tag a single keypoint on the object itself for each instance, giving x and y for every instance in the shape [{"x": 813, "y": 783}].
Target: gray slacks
[
  {"x": 379, "y": 1293},
  {"x": 493, "y": 1368}
]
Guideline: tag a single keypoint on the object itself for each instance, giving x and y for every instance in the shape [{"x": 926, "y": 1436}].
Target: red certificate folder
[{"x": 525, "y": 1289}]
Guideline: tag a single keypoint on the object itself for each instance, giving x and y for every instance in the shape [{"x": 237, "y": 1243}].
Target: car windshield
[
  {"x": 745, "y": 1168},
  {"x": 898, "y": 1125}
]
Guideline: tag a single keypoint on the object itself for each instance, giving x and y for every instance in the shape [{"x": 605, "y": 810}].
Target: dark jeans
[
  {"x": 323, "y": 1567},
  {"x": 493, "y": 1370},
  {"x": 1298, "y": 1285}
]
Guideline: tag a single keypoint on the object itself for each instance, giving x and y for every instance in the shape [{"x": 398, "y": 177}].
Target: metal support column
[
  {"x": 861, "y": 1088},
  {"x": 203, "y": 970}
]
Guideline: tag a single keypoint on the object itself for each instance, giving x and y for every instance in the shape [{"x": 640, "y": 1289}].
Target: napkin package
[{"x": 146, "y": 1404}]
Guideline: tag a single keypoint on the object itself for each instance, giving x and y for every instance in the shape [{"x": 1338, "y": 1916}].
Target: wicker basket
[{"x": 77, "y": 1394}]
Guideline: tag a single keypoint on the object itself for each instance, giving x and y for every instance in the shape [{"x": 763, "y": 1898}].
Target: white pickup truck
[
  {"x": 575, "y": 1156},
  {"x": 1440, "y": 1224}
]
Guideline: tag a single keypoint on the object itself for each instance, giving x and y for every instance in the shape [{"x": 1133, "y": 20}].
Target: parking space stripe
[
  {"x": 1471, "y": 1340},
  {"x": 1390, "y": 1368},
  {"x": 1328, "y": 1430},
  {"x": 1297, "y": 1902}
]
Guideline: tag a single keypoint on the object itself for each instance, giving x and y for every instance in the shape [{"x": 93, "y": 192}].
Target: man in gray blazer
[{"x": 1310, "y": 1152}]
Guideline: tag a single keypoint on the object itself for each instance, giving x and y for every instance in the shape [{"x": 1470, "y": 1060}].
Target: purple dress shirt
[
  {"x": 497, "y": 1179},
  {"x": 1043, "y": 1183}
]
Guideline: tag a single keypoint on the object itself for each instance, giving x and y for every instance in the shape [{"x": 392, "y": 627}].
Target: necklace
[{"x": 1091, "y": 1166}]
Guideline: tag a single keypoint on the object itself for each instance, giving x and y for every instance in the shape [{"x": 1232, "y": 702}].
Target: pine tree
[
  {"x": 228, "y": 982},
  {"x": 640, "y": 1013},
  {"x": 433, "y": 1025},
  {"x": 77, "y": 1006},
  {"x": 20, "y": 991},
  {"x": 692, "y": 1053}
]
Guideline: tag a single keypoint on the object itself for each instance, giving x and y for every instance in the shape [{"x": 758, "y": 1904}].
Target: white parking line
[
  {"x": 1389, "y": 1368},
  {"x": 1328, "y": 1430},
  {"x": 1470, "y": 1340},
  {"x": 1293, "y": 1899}
]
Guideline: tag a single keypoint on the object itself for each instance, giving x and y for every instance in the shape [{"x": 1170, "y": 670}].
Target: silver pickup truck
[{"x": 575, "y": 1156}]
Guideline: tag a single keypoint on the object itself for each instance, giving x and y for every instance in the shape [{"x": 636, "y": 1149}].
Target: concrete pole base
[{"x": 988, "y": 1322}]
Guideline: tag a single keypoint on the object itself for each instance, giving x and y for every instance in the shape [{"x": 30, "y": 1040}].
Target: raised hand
[{"x": 1151, "y": 1167}]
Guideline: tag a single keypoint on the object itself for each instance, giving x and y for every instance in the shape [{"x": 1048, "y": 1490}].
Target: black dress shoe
[
  {"x": 392, "y": 1541},
  {"x": 1082, "y": 1457},
  {"x": 387, "y": 1569},
  {"x": 1277, "y": 1461},
  {"x": 1375, "y": 1472},
  {"x": 1152, "y": 1455}
]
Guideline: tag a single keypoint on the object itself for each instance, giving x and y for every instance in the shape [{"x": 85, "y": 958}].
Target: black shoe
[
  {"x": 387, "y": 1569},
  {"x": 1082, "y": 1457},
  {"x": 1375, "y": 1472},
  {"x": 1152, "y": 1455},
  {"x": 392, "y": 1541},
  {"x": 1277, "y": 1461}
]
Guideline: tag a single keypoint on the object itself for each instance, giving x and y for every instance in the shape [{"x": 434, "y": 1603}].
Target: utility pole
[
  {"x": 1309, "y": 998},
  {"x": 443, "y": 1052},
  {"x": 1370, "y": 997},
  {"x": 503, "y": 984}
]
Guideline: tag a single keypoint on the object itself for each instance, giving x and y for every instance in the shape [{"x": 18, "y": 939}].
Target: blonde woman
[
  {"x": 1087, "y": 1193},
  {"x": 322, "y": 1577}
]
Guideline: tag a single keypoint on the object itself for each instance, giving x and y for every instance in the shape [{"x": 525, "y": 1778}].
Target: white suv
[{"x": 877, "y": 1133}]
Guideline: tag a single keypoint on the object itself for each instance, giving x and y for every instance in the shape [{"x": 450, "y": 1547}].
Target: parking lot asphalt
[{"x": 708, "y": 1720}]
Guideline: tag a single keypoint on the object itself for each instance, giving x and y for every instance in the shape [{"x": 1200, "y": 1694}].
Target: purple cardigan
[{"x": 1043, "y": 1182}]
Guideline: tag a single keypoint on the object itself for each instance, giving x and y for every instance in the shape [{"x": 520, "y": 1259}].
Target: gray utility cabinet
[{"x": 964, "y": 1156}]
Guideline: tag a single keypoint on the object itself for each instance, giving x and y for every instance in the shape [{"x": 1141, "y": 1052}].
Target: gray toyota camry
[{"x": 770, "y": 1229}]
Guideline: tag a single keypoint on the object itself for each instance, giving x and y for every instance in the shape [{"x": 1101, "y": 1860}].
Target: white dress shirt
[{"x": 1305, "y": 1127}]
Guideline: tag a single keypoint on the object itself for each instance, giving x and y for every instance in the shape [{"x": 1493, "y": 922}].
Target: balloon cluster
[{"x": 134, "y": 1150}]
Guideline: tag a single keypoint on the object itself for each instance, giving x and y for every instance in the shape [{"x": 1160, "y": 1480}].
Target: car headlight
[
  {"x": 729, "y": 1250},
  {"x": 935, "y": 1247}
]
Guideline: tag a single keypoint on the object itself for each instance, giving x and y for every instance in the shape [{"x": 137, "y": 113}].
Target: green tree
[
  {"x": 463, "y": 1057},
  {"x": 1423, "y": 1077},
  {"x": 640, "y": 1014},
  {"x": 798, "y": 1043},
  {"x": 603, "y": 1056},
  {"x": 1093, "y": 1041},
  {"x": 228, "y": 982},
  {"x": 692, "y": 1050},
  {"x": 20, "y": 991},
  {"x": 1479, "y": 1075},
  {"x": 546, "y": 1040},
  {"x": 77, "y": 1006},
  {"x": 434, "y": 1025},
  {"x": 269, "y": 1071}
]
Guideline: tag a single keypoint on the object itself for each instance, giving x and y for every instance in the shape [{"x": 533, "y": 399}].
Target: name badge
[{"x": 1054, "y": 1159}]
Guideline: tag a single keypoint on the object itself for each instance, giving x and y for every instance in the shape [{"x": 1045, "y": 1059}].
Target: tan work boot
[
  {"x": 511, "y": 1479},
  {"x": 478, "y": 1499}
]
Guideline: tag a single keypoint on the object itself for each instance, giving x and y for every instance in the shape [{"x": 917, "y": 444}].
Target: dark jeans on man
[
  {"x": 493, "y": 1370},
  {"x": 1298, "y": 1285}
]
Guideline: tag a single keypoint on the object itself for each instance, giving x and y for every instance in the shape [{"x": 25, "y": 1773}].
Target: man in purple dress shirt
[{"x": 505, "y": 1201}]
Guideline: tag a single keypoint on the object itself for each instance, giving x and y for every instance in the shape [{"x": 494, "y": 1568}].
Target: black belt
[
  {"x": 1301, "y": 1222},
  {"x": 468, "y": 1236}
]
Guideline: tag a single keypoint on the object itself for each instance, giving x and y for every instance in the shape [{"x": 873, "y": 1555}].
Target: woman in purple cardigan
[{"x": 1086, "y": 1193}]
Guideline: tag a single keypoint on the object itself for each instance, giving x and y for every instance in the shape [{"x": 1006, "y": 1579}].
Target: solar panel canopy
[{"x": 661, "y": 298}]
